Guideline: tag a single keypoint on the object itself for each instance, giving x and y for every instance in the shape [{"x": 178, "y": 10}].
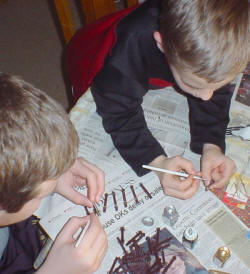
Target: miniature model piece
[
  {"x": 122, "y": 229},
  {"x": 115, "y": 203},
  {"x": 221, "y": 256},
  {"x": 124, "y": 198},
  {"x": 146, "y": 191},
  {"x": 170, "y": 215},
  {"x": 135, "y": 196},
  {"x": 105, "y": 202},
  {"x": 210, "y": 183},
  {"x": 96, "y": 210},
  {"x": 157, "y": 253},
  {"x": 87, "y": 211},
  {"x": 190, "y": 237},
  {"x": 137, "y": 258},
  {"x": 147, "y": 221}
]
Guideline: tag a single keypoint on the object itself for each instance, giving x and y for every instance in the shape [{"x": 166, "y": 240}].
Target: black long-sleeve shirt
[{"x": 134, "y": 66}]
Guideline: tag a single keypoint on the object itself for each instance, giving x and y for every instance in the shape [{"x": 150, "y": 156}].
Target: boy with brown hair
[
  {"x": 38, "y": 148},
  {"x": 198, "y": 46}
]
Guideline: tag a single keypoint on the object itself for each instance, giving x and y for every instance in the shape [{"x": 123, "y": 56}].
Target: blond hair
[
  {"x": 208, "y": 37},
  {"x": 37, "y": 141}
]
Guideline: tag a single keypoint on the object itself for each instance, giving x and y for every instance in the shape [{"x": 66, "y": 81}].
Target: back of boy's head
[
  {"x": 208, "y": 37},
  {"x": 37, "y": 141}
]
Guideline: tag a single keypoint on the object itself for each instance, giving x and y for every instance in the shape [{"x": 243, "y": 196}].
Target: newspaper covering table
[
  {"x": 166, "y": 113},
  {"x": 237, "y": 194}
]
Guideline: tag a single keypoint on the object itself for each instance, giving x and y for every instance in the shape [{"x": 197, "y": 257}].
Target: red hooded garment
[{"x": 88, "y": 48}]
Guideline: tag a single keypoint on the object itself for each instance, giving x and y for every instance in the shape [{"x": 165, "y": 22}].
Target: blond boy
[{"x": 38, "y": 148}]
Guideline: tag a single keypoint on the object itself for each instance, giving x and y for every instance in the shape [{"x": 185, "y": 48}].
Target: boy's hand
[
  {"x": 65, "y": 258},
  {"x": 82, "y": 173},
  {"x": 173, "y": 185},
  {"x": 216, "y": 166}
]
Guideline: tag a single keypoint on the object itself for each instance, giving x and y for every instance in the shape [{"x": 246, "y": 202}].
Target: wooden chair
[{"x": 92, "y": 9}]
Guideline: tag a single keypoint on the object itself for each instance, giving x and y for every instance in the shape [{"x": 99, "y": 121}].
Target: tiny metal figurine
[
  {"x": 221, "y": 256},
  {"x": 170, "y": 215},
  {"x": 147, "y": 221},
  {"x": 189, "y": 237}
]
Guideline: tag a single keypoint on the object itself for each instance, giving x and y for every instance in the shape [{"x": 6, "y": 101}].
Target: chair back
[{"x": 92, "y": 10}]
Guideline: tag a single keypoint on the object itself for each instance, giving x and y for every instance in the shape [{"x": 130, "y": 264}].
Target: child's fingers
[
  {"x": 85, "y": 170},
  {"x": 178, "y": 164},
  {"x": 91, "y": 182},
  {"x": 78, "y": 198},
  {"x": 100, "y": 241},
  {"x": 222, "y": 173},
  {"x": 198, "y": 173},
  {"x": 71, "y": 227},
  {"x": 93, "y": 255},
  {"x": 219, "y": 184},
  {"x": 221, "y": 176},
  {"x": 183, "y": 194},
  {"x": 187, "y": 166},
  {"x": 175, "y": 182},
  {"x": 100, "y": 179},
  {"x": 206, "y": 169},
  {"x": 100, "y": 256}
]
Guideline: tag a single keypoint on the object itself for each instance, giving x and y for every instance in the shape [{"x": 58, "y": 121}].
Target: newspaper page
[
  {"x": 137, "y": 203},
  {"x": 238, "y": 148}
]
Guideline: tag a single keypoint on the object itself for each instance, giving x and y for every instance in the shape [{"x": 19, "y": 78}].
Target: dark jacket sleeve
[
  {"x": 118, "y": 99},
  {"x": 209, "y": 119}
]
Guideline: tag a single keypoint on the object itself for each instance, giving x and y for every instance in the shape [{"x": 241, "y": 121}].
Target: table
[{"x": 213, "y": 220}]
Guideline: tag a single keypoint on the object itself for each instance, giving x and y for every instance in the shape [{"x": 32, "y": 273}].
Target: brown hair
[
  {"x": 208, "y": 37},
  {"x": 37, "y": 141}
]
